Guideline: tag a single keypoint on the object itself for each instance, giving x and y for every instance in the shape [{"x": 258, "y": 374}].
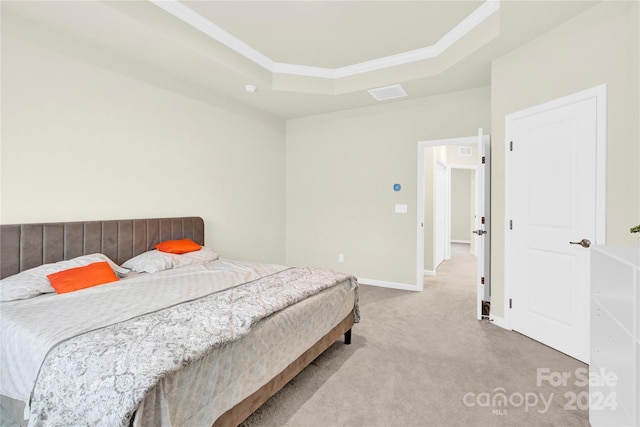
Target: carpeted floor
[{"x": 422, "y": 359}]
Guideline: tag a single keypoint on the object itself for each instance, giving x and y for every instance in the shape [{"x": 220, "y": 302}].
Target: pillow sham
[
  {"x": 178, "y": 246},
  {"x": 150, "y": 262},
  {"x": 155, "y": 260},
  {"x": 77, "y": 278},
  {"x": 202, "y": 256},
  {"x": 33, "y": 282}
]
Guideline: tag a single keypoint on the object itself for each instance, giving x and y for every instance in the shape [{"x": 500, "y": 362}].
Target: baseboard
[
  {"x": 499, "y": 321},
  {"x": 468, "y": 242},
  {"x": 429, "y": 273},
  {"x": 385, "y": 284}
]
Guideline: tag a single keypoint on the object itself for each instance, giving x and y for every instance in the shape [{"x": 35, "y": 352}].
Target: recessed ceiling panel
[{"x": 335, "y": 34}]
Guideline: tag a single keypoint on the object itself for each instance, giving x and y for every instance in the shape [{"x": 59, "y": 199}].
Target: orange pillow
[
  {"x": 78, "y": 278},
  {"x": 178, "y": 246}
]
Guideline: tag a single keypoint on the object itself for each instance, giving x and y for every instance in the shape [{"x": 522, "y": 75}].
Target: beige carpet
[{"x": 422, "y": 359}]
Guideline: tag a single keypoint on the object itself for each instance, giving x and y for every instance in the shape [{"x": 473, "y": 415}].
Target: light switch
[{"x": 401, "y": 208}]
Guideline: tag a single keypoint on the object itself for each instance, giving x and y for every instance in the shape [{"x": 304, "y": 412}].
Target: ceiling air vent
[
  {"x": 465, "y": 151},
  {"x": 387, "y": 92}
]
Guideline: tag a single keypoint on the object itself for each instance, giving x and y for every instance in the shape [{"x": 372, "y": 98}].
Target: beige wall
[
  {"x": 341, "y": 168},
  {"x": 599, "y": 46},
  {"x": 461, "y": 204},
  {"x": 80, "y": 142}
]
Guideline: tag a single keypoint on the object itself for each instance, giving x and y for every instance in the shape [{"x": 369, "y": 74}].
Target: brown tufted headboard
[{"x": 24, "y": 246}]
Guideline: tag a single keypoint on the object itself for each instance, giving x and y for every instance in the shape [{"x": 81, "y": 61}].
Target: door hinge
[
  {"x": 510, "y": 303},
  {"x": 482, "y": 280},
  {"x": 510, "y": 224},
  {"x": 484, "y": 160},
  {"x": 510, "y": 145}
]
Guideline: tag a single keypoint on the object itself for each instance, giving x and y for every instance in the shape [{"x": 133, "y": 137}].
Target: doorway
[
  {"x": 555, "y": 210},
  {"x": 437, "y": 160}
]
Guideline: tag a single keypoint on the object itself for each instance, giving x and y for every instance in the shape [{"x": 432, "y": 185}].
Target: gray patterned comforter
[{"x": 100, "y": 377}]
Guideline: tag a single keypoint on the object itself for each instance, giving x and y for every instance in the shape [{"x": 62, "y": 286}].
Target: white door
[
  {"x": 482, "y": 221},
  {"x": 552, "y": 160}
]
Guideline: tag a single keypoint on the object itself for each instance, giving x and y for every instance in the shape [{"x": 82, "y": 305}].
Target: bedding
[
  {"x": 34, "y": 282},
  {"x": 147, "y": 348},
  {"x": 156, "y": 260},
  {"x": 216, "y": 303},
  {"x": 231, "y": 372},
  {"x": 151, "y": 348},
  {"x": 34, "y": 326}
]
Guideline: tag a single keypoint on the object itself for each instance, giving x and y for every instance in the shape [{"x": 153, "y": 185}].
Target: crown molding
[
  {"x": 199, "y": 22},
  {"x": 188, "y": 15}
]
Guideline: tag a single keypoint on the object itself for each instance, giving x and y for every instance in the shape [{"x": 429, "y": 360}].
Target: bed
[{"x": 203, "y": 341}]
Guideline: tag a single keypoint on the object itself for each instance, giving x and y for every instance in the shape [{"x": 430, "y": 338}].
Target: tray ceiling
[{"x": 141, "y": 40}]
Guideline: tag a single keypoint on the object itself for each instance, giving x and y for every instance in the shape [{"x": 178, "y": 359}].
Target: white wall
[
  {"x": 461, "y": 204},
  {"x": 341, "y": 168},
  {"x": 81, "y": 142},
  {"x": 599, "y": 46}
]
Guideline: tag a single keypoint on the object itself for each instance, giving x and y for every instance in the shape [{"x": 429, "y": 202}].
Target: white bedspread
[
  {"x": 204, "y": 390},
  {"x": 30, "y": 328},
  {"x": 100, "y": 377}
]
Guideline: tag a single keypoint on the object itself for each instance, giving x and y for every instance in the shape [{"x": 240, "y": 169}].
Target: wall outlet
[{"x": 340, "y": 258}]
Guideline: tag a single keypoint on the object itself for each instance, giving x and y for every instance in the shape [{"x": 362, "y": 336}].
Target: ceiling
[
  {"x": 304, "y": 57},
  {"x": 334, "y": 33}
]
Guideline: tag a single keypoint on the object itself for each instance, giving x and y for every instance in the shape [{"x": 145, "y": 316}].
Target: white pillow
[
  {"x": 154, "y": 261},
  {"x": 150, "y": 262},
  {"x": 202, "y": 256},
  {"x": 33, "y": 282}
]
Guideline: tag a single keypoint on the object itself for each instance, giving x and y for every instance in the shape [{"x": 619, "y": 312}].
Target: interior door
[
  {"x": 482, "y": 222},
  {"x": 553, "y": 158}
]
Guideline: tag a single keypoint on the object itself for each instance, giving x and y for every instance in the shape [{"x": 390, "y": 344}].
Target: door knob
[
  {"x": 479, "y": 232},
  {"x": 585, "y": 243}
]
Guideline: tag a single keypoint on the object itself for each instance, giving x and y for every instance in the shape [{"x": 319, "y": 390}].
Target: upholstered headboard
[{"x": 24, "y": 246}]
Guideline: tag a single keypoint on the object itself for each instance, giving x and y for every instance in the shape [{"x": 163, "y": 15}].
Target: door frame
[
  {"x": 445, "y": 186},
  {"x": 600, "y": 94},
  {"x": 422, "y": 145}
]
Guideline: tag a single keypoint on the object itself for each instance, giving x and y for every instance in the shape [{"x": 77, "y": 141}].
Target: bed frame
[{"x": 24, "y": 246}]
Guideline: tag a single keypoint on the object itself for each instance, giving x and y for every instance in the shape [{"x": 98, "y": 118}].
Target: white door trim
[
  {"x": 600, "y": 94},
  {"x": 441, "y": 184}
]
